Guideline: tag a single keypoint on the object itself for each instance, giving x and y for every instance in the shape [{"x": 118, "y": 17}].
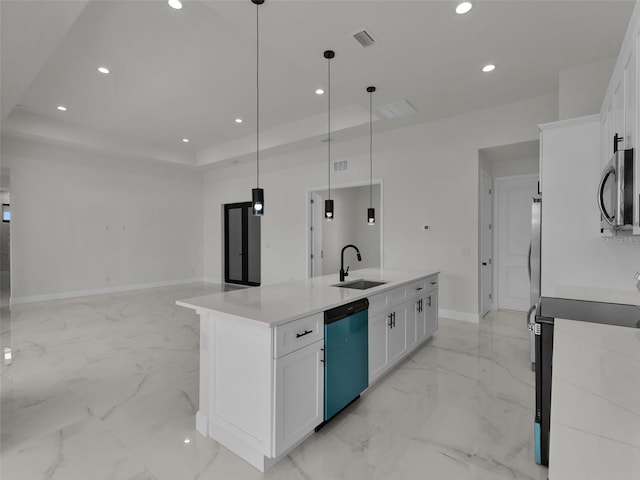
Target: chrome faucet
[{"x": 343, "y": 272}]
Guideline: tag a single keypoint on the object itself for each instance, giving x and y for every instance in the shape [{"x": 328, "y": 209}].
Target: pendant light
[
  {"x": 257, "y": 194},
  {"x": 328, "y": 204},
  {"x": 371, "y": 212}
]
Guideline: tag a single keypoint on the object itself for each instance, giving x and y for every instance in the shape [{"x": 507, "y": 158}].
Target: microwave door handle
[
  {"x": 605, "y": 175},
  {"x": 529, "y": 262}
]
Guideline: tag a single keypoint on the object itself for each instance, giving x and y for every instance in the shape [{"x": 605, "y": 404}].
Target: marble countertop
[
  {"x": 272, "y": 305},
  {"x": 595, "y": 404}
]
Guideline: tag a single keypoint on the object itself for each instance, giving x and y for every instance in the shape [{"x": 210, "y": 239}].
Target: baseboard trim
[
  {"x": 464, "y": 316},
  {"x": 99, "y": 291}
]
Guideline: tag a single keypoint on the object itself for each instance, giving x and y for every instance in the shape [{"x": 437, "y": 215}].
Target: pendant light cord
[
  {"x": 329, "y": 123},
  {"x": 257, "y": 97},
  {"x": 371, "y": 149}
]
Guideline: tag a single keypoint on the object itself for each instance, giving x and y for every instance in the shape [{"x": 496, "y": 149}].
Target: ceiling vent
[
  {"x": 396, "y": 110},
  {"x": 364, "y": 38}
]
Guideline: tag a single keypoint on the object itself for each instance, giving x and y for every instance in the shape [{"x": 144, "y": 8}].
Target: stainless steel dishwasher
[{"x": 346, "y": 336}]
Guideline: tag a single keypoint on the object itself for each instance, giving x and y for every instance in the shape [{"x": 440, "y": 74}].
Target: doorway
[
  {"x": 326, "y": 239},
  {"x": 241, "y": 244}
]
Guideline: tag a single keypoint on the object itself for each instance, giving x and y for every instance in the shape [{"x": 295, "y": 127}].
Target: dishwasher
[{"x": 346, "y": 373}]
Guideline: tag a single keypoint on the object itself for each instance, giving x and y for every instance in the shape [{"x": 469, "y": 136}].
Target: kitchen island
[{"x": 262, "y": 352}]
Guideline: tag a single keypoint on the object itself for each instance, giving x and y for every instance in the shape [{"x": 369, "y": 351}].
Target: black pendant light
[
  {"x": 371, "y": 212},
  {"x": 328, "y": 204},
  {"x": 257, "y": 194}
]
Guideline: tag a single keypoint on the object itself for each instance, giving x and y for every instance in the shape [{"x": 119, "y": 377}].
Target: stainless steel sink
[{"x": 359, "y": 284}]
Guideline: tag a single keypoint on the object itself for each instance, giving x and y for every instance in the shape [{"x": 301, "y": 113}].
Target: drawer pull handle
[
  {"x": 306, "y": 332},
  {"x": 434, "y": 283},
  {"x": 419, "y": 288}
]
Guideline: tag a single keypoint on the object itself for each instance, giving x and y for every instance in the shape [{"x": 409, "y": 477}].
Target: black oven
[{"x": 549, "y": 309}]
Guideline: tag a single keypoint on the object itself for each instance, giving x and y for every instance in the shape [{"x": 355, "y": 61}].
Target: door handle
[
  {"x": 484, "y": 264},
  {"x": 322, "y": 359},
  {"x": 429, "y": 304},
  {"x": 394, "y": 319},
  {"x": 390, "y": 320}
]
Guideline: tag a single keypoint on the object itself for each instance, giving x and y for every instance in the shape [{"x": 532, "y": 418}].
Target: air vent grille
[
  {"x": 396, "y": 110},
  {"x": 339, "y": 165},
  {"x": 364, "y": 38}
]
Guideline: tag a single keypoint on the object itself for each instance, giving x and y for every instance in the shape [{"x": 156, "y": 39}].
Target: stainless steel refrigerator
[{"x": 535, "y": 258}]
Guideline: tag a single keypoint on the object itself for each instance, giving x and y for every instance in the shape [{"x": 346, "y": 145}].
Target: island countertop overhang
[{"x": 276, "y": 304}]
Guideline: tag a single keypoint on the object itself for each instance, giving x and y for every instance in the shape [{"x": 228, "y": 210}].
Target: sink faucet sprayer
[{"x": 343, "y": 272}]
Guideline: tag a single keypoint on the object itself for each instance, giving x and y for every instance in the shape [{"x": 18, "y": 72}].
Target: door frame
[
  {"x": 379, "y": 216},
  {"x": 498, "y": 186}
]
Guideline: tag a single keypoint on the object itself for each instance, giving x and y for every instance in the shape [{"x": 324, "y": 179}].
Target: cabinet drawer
[
  {"x": 396, "y": 296},
  {"x": 417, "y": 288},
  {"x": 377, "y": 302},
  {"x": 432, "y": 284},
  {"x": 297, "y": 334}
]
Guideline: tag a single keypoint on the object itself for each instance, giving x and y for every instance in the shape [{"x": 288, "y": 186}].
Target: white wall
[
  {"x": 84, "y": 222},
  {"x": 516, "y": 166},
  {"x": 582, "y": 88},
  {"x": 576, "y": 260},
  {"x": 430, "y": 175}
]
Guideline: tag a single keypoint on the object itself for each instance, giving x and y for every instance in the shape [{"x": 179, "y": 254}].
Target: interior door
[
  {"x": 513, "y": 208},
  {"x": 316, "y": 235},
  {"x": 486, "y": 243},
  {"x": 242, "y": 244}
]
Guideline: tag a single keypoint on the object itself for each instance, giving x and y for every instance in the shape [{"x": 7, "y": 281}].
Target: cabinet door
[
  {"x": 396, "y": 335},
  {"x": 421, "y": 316},
  {"x": 431, "y": 312},
  {"x": 378, "y": 358},
  {"x": 299, "y": 384},
  {"x": 412, "y": 323},
  {"x": 630, "y": 101}
]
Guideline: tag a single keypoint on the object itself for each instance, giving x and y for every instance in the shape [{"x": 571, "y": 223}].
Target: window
[{"x": 6, "y": 212}]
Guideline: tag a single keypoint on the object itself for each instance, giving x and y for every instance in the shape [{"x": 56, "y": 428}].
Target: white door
[
  {"x": 486, "y": 245},
  {"x": 513, "y": 235},
  {"x": 316, "y": 235}
]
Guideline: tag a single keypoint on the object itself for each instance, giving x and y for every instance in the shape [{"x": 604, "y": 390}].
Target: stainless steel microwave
[{"x": 616, "y": 192}]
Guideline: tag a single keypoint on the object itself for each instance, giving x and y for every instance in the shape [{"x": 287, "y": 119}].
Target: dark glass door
[{"x": 241, "y": 244}]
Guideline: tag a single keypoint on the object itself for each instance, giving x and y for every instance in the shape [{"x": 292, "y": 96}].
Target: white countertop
[
  {"x": 276, "y": 304},
  {"x": 595, "y": 404}
]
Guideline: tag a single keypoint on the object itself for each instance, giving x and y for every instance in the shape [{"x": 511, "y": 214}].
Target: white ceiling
[{"x": 190, "y": 73}]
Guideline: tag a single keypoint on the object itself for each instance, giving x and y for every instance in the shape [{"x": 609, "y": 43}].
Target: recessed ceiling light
[
  {"x": 238, "y": 120},
  {"x": 187, "y": 440},
  {"x": 185, "y": 140},
  {"x": 62, "y": 108},
  {"x": 177, "y": 4},
  {"x": 319, "y": 91},
  {"x": 104, "y": 70},
  {"x": 488, "y": 68},
  {"x": 463, "y": 8}
]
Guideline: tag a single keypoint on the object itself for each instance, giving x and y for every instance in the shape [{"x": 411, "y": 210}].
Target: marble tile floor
[{"x": 106, "y": 387}]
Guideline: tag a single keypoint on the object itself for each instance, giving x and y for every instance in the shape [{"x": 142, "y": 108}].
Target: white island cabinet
[{"x": 262, "y": 354}]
